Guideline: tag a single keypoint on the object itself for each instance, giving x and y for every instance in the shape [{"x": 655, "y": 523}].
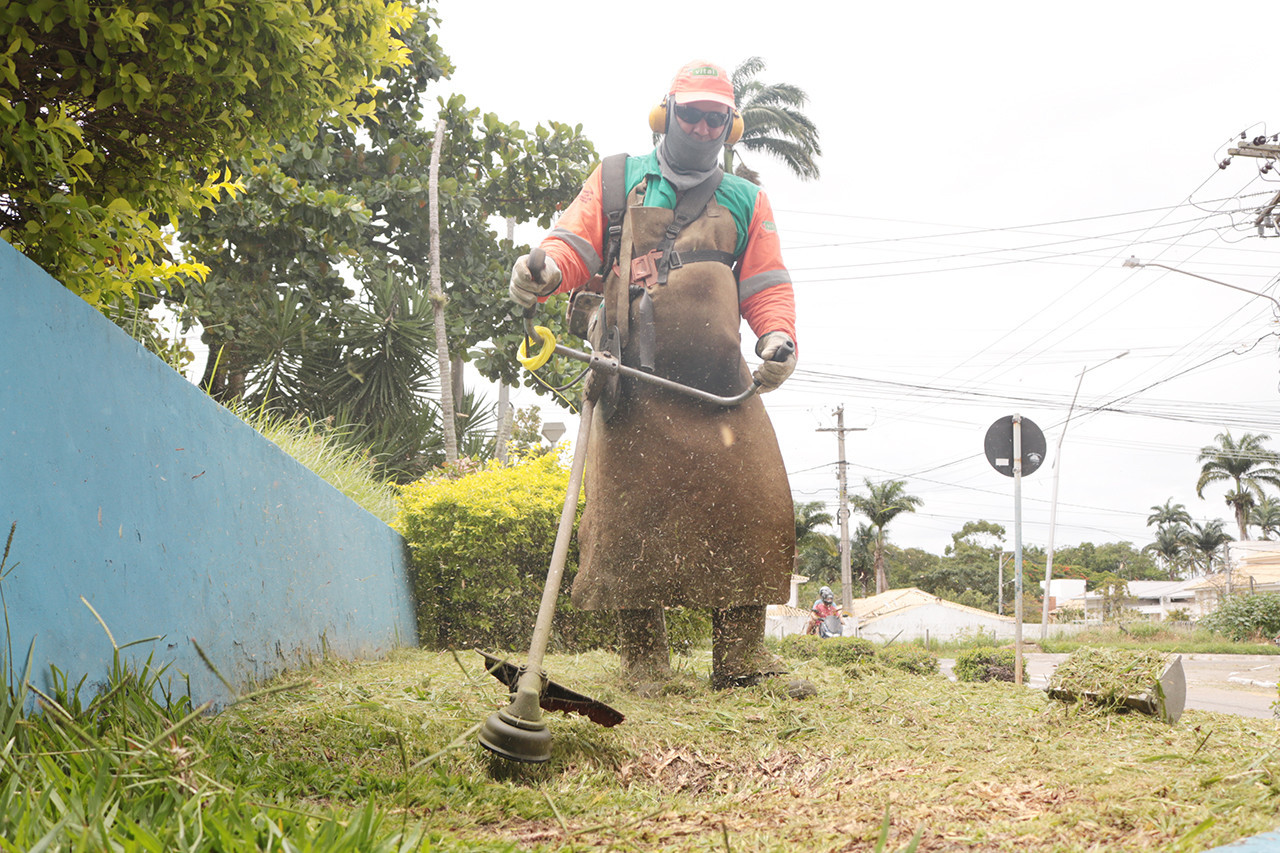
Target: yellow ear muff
[
  {"x": 658, "y": 123},
  {"x": 735, "y": 129},
  {"x": 658, "y": 117}
]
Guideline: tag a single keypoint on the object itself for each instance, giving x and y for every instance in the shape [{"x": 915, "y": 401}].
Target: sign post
[{"x": 1016, "y": 446}]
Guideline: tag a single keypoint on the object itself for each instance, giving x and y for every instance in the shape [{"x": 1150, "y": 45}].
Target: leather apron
[{"x": 687, "y": 503}]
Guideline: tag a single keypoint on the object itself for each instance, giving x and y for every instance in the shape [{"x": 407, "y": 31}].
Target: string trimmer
[{"x": 518, "y": 732}]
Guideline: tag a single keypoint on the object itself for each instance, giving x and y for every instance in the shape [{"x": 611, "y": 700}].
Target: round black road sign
[{"x": 999, "y": 446}]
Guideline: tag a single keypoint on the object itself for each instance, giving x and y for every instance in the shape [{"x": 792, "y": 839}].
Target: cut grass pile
[{"x": 386, "y": 753}]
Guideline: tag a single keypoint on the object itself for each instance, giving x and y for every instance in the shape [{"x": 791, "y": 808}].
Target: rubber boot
[
  {"x": 738, "y": 655},
  {"x": 642, "y": 645}
]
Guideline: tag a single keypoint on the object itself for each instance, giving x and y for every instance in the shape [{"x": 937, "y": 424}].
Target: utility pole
[
  {"x": 846, "y": 570},
  {"x": 1260, "y": 149}
]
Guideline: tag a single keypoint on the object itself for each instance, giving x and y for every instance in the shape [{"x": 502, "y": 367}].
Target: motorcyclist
[{"x": 825, "y": 621}]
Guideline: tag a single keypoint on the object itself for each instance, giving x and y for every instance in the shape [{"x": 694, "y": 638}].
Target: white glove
[
  {"x": 525, "y": 289},
  {"x": 770, "y": 374}
]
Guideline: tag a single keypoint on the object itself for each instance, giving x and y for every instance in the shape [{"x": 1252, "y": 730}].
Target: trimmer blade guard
[{"x": 554, "y": 697}]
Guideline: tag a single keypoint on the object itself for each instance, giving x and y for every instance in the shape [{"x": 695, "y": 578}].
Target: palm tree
[
  {"x": 1169, "y": 515},
  {"x": 1170, "y": 548},
  {"x": 1204, "y": 540},
  {"x": 1247, "y": 464},
  {"x": 809, "y": 517},
  {"x": 862, "y": 546},
  {"x": 881, "y": 505},
  {"x": 1265, "y": 515},
  {"x": 817, "y": 553},
  {"x": 773, "y": 123}
]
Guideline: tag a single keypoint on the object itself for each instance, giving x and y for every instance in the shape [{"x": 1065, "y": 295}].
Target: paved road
[{"x": 1230, "y": 684}]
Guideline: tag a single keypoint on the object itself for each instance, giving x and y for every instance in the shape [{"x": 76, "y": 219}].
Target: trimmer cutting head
[{"x": 518, "y": 732}]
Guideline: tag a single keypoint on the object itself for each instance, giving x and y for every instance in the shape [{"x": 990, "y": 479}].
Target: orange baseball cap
[{"x": 703, "y": 81}]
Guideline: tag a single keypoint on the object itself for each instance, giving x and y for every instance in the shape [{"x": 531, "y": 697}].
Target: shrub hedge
[
  {"x": 1246, "y": 617},
  {"x": 988, "y": 665},
  {"x": 909, "y": 657},
  {"x": 481, "y": 545}
]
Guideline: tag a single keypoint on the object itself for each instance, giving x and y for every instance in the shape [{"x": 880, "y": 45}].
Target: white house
[
  {"x": 1152, "y": 599},
  {"x": 1252, "y": 566},
  {"x": 911, "y": 614},
  {"x": 905, "y": 614}
]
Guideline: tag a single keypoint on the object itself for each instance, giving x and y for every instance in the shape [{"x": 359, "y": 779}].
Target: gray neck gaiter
[{"x": 685, "y": 161}]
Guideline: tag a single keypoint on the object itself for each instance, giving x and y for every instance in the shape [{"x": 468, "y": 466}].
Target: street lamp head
[{"x": 1132, "y": 262}]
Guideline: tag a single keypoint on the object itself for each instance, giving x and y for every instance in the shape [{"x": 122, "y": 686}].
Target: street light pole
[
  {"x": 1053, "y": 506},
  {"x": 1132, "y": 262}
]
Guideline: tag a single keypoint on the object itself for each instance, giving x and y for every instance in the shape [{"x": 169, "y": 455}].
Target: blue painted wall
[{"x": 133, "y": 489}]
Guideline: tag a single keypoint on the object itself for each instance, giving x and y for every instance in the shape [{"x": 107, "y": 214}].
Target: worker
[{"x": 687, "y": 502}]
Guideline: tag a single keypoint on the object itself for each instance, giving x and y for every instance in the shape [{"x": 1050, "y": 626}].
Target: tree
[
  {"x": 1247, "y": 464},
  {"x": 116, "y": 118},
  {"x": 818, "y": 554},
  {"x": 1170, "y": 548},
  {"x": 1169, "y": 514},
  {"x": 881, "y": 505},
  {"x": 1204, "y": 542},
  {"x": 862, "y": 556},
  {"x": 773, "y": 123},
  {"x": 527, "y": 442},
  {"x": 969, "y": 572},
  {"x": 1265, "y": 515},
  {"x": 331, "y": 218},
  {"x": 809, "y": 517}
]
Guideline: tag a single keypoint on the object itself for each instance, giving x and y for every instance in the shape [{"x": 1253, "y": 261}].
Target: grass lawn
[
  {"x": 967, "y": 766},
  {"x": 382, "y": 756}
]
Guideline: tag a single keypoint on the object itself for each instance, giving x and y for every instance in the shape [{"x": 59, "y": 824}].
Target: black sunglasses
[{"x": 692, "y": 115}]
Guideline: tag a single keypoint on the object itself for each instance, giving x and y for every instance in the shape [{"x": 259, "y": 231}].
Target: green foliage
[
  {"x": 774, "y": 123},
  {"x": 987, "y": 665},
  {"x": 688, "y": 629},
  {"x": 909, "y": 657},
  {"x": 883, "y": 502},
  {"x": 133, "y": 768},
  {"x": 481, "y": 547},
  {"x": 527, "y": 441},
  {"x": 836, "y": 651},
  {"x": 329, "y": 455},
  {"x": 1098, "y": 563},
  {"x": 116, "y": 118},
  {"x": 1246, "y": 465},
  {"x": 315, "y": 300},
  {"x": 1246, "y": 617},
  {"x": 819, "y": 552}
]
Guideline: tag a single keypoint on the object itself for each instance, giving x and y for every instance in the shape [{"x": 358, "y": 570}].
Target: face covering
[{"x": 685, "y": 161}]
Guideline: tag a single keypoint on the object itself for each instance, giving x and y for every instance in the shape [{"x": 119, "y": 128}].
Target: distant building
[
  {"x": 1253, "y": 566},
  {"x": 1151, "y": 599}
]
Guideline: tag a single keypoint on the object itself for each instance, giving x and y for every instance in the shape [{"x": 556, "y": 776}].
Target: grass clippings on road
[{"x": 983, "y": 766}]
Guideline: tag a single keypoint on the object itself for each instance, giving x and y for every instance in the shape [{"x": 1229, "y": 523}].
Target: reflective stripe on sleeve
[
  {"x": 585, "y": 250},
  {"x": 759, "y": 282}
]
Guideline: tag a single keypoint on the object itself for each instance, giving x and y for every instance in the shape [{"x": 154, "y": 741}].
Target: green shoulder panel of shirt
[{"x": 735, "y": 194}]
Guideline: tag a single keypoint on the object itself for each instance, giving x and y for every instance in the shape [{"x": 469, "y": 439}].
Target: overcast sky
[{"x": 986, "y": 168}]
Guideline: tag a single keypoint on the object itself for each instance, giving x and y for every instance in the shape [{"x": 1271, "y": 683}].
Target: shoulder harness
[{"x": 660, "y": 262}]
